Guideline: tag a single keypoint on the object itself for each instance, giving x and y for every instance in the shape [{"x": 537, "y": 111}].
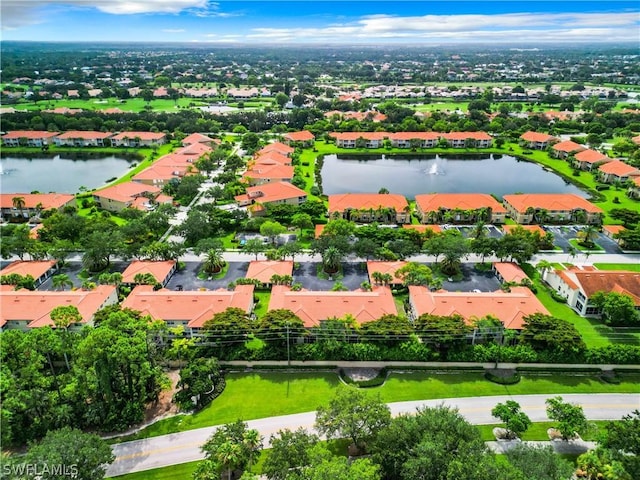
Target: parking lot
[
  {"x": 563, "y": 234},
  {"x": 473, "y": 280},
  {"x": 187, "y": 279},
  {"x": 353, "y": 274},
  {"x": 467, "y": 230}
]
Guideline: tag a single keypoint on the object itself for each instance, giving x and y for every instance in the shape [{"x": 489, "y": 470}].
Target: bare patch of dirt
[{"x": 164, "y": 406}]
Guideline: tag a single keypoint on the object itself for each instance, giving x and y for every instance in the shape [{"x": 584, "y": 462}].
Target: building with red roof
[
  {"x": 138, "y": 139},
  {"x": 508, "y": 307},
  {"x": 467, "y": 139},
  {"x": 272, "y": 194},
  {"x": 566, "y": 148},
  {"x": 303, "y": 137},
  {"x": 370, "y": 207},
  {"x": 82, "y": 139},
  {"x": 459, "y": 208},
  {"x": 587, "y": 159},
  {"x": 264, "y": 270},
  {"x": 634, "y": 188},
  {"x": 160, "y": 270},
  {"x": 40, "y": 270},
  {"x": 536, "y": 140},
  {"x": 32, "y": 203},
  {"x": 199, "y": 138},
  {"x": 271, "y": 157},
  {"x": 28, "y": 138},
  {"x": 137, "y": 195},
  {"x": 23, "y": 309},
  {"x": 424, "y": 228},
  {"x": 189, "y": 309},
  {"x": 359, "y": 139},
  {"x": 315, "y": 307},
  {"x": 260, "y": 174},
  {"x": 414, "y": 139},
  {"x": 558, "y": 207},
  {"x": 279, "y": 147},
  {"x": 385, "y": 268},
  {"x": 617, "y": 171},
  {"x": 578, "y": 286}
]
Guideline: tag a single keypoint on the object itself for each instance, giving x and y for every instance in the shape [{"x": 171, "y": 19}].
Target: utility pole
[{"x": 288, "y": 351}]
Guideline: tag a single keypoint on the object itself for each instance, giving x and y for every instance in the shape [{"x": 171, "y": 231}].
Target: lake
[
  {"x": 414, "y": 174},
  {"x": 60, "y": 173}
]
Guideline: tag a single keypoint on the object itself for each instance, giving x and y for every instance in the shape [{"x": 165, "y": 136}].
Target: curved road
[{"x": 175, "y": 448}]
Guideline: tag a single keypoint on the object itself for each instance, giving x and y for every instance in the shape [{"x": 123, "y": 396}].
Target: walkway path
[{"x": 175, "y": 448}]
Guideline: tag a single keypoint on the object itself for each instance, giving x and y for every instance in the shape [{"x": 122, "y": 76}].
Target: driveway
[
  {"x": 473, "y": 280},
  {"x": 188, "y": 278},
  {"x": 353, "y": 274},
  {"x": 563, "y": 234},
  {"x": 73, "y": 269}
]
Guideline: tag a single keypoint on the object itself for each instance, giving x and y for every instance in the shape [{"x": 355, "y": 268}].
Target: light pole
[{"x": 288, "y": 353}]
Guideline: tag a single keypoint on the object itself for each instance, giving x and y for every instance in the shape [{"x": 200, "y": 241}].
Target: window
[
  {"x": 592, "y": 311},
  {"x": 581, "y": 296},
  {"x": 579, "y": 306}
]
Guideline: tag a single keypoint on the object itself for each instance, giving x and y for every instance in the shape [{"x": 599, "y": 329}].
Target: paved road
[{"x": 165, "y": 450}]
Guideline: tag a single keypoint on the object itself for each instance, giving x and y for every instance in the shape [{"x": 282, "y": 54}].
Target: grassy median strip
[{"x": 288, "y": 393}]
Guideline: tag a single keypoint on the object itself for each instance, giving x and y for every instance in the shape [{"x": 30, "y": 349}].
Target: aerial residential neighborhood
[{"x": 221, "y": 251}]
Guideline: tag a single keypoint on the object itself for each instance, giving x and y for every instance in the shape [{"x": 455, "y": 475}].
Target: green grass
[
  {"x": 302, "y": 392},
  {"x": 441, "y": 106},
  {"x": 264, "y": 296},
  {"x": 617, "y": 266},
  {"x": 585, "y": 326},
  {"x": 538, "y": 431},
  {"x": 182, "y": 471},
  {"x": 128, "y": 105},
  {"x": 576, "y": 243}
]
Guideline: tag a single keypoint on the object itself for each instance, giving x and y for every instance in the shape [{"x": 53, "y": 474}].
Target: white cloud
[{"x": 521, "y": 27}]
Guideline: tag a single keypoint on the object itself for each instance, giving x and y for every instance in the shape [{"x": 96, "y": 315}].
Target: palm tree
[
  {"x": 588, "y": 235},
  {"x": 61, "y": 281},
  {"x": 252, "y": 441},
  {"x": 229, "y": 455},
  {"x": 331, "y": 259},
  {"x": 543, "y": 266},
  {"x": 18, "y": 204},
  {"x": 478, "y": 230},
  {"x": 571, "y": 252},
  {"x": 377, "y": 278},
  {"x": 214, "y": 261}
]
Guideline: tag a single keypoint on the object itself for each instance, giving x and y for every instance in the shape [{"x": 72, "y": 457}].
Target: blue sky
[{"x": 321, "y": 22}]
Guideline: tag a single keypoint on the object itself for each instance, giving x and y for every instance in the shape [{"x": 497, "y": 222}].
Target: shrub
[
  {"x": 557, "y": 297},
  {"x": 502, "y": 380},
  {"x": 314, "y": 191}
]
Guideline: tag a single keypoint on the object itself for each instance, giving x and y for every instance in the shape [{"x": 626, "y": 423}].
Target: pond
[
  {"x": 64, "y": 173},
  {"x": 415, "y": 174}
]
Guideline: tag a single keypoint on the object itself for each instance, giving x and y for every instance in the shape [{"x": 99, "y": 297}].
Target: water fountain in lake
[{"x": 436, "y": 168}]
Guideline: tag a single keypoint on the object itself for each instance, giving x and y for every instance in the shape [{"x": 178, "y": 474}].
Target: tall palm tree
[
  {"x": 214, "y": 261},
  {"x": 252, "y": 441},
  {"x": 543, "y": 266},
  {"x": 588, "y": 235},
  {"x": 478, "y": 230},
  {"x": 229, "y": 455},
  {"x": 61, "y": 281},
  {"x": 331, "y": 259},
  {"x": 18, "y": 204}
]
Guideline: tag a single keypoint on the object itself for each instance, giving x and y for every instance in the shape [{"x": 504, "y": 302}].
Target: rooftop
[{"x": 451, "y": 201}]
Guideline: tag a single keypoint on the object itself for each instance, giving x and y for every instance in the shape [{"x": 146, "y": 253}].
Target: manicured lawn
[
  {"x": 264, "y": 296},
  {"x": 128, "y": 105},
  {"x": 182, "y": 471},
  {"x": 441, "y": 106},
  {"x": 245, "y": 394},
  {"x": 586, "y": 327},
  {"x": 617, "y": 266},
  {"x": 538, "y": 431},
  {"x": 575, "y": 243}
]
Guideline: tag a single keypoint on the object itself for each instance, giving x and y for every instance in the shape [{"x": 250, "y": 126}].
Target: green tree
[
  {"x": 551, "y": 334},
  {"x": 271, "y": 230},
  {"x": 60, "y": 281},
  {"x": 445, "y": 333},
  {"x": 352, "y": 414},
  {"x": 617, "y": 308},
  {"x": 290, "y": 451},
  {"x": 599, "y": 464},
  {"x": 198, "y": 379},
  {"x": 290, "y": 249},
  {"x": 254, "y": 246},
  {"x": 570, "y": 417},
  {"x": 88, "y": 453},
  {"x": 325, "y": 466},
  {"x": 331, "y": 260},
  {"x": 515, "y": 420},
  {"x": 539, "y": 463},
  {"x": 19, "y": 204},
  {"x": 65, "y": 315},
  {"x": 622, "y": 439},
  {"x": 414, "y": 273},
  {"x": 302, "y": 221},
  {"x": 214, "y": 262}
]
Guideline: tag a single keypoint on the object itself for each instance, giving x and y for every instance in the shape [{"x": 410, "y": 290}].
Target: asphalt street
[{"x": 176, "y": 448}]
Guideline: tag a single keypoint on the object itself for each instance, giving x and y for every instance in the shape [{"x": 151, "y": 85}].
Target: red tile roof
[
  {"x": 510, "y": 308},
  {"x": 568, "y": 146},
  {"x": 357, "y": 135},
  {"x": 125, "y": 192},
  {"x": 465, "y": 135},
  {"x": 510, "y": 272},
  {"x": 268, "y": 171},
  {"x": 141, "y": 135},
  {"x": 34, "y": 268},
  {"x": 264, "y": 270},
  {"x": 34, "y": 307},
  {"x": 536, "y": 137},
  {"x": 318, "y": 229},
  {"x": 618, "y": 168},
  {"x": 272, "y": 157},
  {"x": 550, "y": 201},
  {"x": 271, "y": 192},
  {"x": 276, "y": 147},
  {"x": 196, "y": 138},
  {"x": 32, "y": 200},
  {"x": 84, "y": 135},
  {"x": 385, "y": 267},
  {"x": 30, "y": 134},
  {"x": 159, "y": 270},
  {"x": 613, "y": 229},
  {"x": 450, "y": 201},
  {"x": 365, "y": 201},
  {"x": 607, "y": 281},
  {"x": 302, "y": 136},
  {"x": 195, "y": 308},
  {"x": 407, "y": 136},
  {"x": 315, "y": 306},
  {"x": 194, "y": 149},
  {"x": 591, "y": 156}
]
